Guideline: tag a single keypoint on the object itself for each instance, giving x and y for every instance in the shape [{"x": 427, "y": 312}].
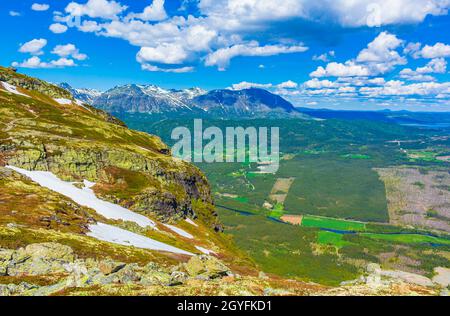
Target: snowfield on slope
[
  {"x": 12, "y": 89},
  {"x": 63, "y": 101},
  {"x": 179, "y": 231},
  {"x": 124, "y": 237},
  {"x": 85, "y": 197}
]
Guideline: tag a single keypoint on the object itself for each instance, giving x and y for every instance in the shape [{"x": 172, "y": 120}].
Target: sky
[{"x": 340, "y": 54}]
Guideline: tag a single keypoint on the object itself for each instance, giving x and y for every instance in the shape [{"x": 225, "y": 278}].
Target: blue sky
[{"x": 367, "y": 54}]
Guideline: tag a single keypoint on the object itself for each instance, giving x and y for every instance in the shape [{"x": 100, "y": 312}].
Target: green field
[
  {"x": 330, "y": 238},
  {"x": 409, "y": 238},
  {"x": 331, "y": 223}
]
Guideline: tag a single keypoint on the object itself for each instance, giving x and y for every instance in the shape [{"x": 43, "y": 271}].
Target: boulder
[
  {"x": 442, "y": 276},
  {"x": 108, "y": 266},
  {"x": 206, "y": 266},
  {"x": 39, "y": 259},
  {"x": 5, "y": 259},
  {"x": 156, "y": 278},
  {"x": 177, "y": 278}
]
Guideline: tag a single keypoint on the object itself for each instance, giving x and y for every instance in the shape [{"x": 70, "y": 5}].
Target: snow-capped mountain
[
  {"x": 146, "y": 99},
  {"x": 85, "y": 95},
  {"x": 222, "y": 104}
]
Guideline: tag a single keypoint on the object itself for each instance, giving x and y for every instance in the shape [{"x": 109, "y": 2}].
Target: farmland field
[{"x": 340, "y": 202}]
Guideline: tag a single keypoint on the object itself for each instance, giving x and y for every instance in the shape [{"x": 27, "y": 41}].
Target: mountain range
[{"x": 196, "y": 102}]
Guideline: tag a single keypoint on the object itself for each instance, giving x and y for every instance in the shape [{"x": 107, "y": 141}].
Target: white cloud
[
  {"x": 382, "y": 50},
  {"x": 435, "y": 51},
  {"x": 34, "y": 46},
  {"x": 413, "y": 49},
  {"x": 14, "y": 13},
  {"x": 96, "y": 9},
  {"x": 40, "y": 7},
  {"x": 153, "y": 68},
  {"x": 248, "y": 85},
  {"x": 153, "y": 12},
  {"x": 164, "y": 54},
  {"x": 325, "y": 57},
  {"x": 68, "y": 50},
  {"x": 89, "y": 26},
  {"x": 35, "y": 62},
  {"x": 437, "y": 66},
  {"x": 320, "y": 84},
  {"x": 256, "y": 13},
  {"x": 399, "y": 88},
  {"x": 223, "y": 29},
  {"x": 348, "y": 69},
  {"x": 379, "y": 57},
  {"x": 221, "y": 57},
  {"x": 58, "y": 28},
  {"x": 287, "y": 85}
]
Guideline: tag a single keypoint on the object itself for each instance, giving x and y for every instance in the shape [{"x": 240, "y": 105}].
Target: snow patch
[
  {"x": 205, "y": 251},
  {"x": 63, "y": 101},
  {"x": 12, "y": 89},
  {"x": 190, "y": 221},
  {"x": 84, "y": 197},
  {"x": 179, "y": 231},
  {"x": 123, "y": 237}
]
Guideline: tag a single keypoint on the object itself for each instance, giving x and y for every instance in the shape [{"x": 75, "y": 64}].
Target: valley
[{"x": 331, "y": 203}]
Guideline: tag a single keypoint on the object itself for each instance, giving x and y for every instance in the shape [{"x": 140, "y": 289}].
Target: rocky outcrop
[
  {"x": 36, "y": 259},
  {"x": 53, "y": 258},
  {"x": 206, "y": 267}
]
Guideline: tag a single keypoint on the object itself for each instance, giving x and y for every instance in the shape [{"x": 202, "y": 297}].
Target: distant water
[{"x": 428, "y": 125}]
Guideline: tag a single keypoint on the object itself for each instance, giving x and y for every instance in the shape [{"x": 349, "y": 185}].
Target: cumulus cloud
[
  {"x": 379, "y": 57},
  {"x": 287, "y": 85},
  {"x": 164, "y": 54},
  {"x": 347, "y": 13},
  {"x": 14, "y": 13},
  {"x": 399, "y": 88},
  {"x": 435, "y": 51},
  {"x": 35, "y": 62},
  {"x": 34, "y": 46},
  {"x": 436, "y": 66},
  {"x": 153, "y": 12},
  {"x": 220, "y": 30},
  {"x": 221, "y": 57},
  {"x": 96, "y": 9},
  {"x": 153, "y": 68},
  {"x": 247, "y": 85},
  {"x": 347, "y": 69},
  {"x": 68, "y": 50},
  {"x": 40, "y": 7},
  {"x": 58, "y": 28},
  {"x": 325, "y": 57}
]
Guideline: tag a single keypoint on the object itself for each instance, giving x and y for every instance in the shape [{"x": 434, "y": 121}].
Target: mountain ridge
[{"x": 193, "y": 102}]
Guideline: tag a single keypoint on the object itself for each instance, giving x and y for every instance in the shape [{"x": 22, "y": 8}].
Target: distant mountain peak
[
  {"x": 220, "y": 103},
  {"x": 85, "y": 95}
]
